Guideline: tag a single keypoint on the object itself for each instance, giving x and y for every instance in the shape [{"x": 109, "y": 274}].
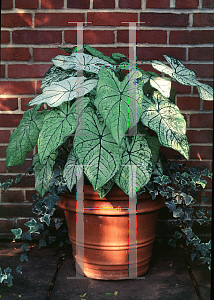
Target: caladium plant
[{"x": 89, "y": 99}]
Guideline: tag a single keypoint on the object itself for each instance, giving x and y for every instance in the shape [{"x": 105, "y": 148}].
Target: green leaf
[
  {"x": 64, "y": 90},
  {"x": 136, "y": 158},
  {"x": 19, "y": 269},
  {"x": 177, "y": 235},
  {"x": 206, "y": 173},
  {"x": 46, "y": 219},
  {"x": 112, "y": 102},
  {"x": 42, "y": 243},
  {"x": 80, "y": 61},
  {"x": 205, "y": 91},
  {"x": 25, "y": 247},
  {"x": 158, "y": 171},
  {"x": 25, "y": 136},
  {"x": 72, "y": 171},
  {"x": 105, "y": 188},
  {"x": 17, "y": 233},
  {"x": 162, "y": 84},
  {"x": 154, "y": 146},
  {"x": 55, "y": 74},
  {"x": 52, "y": 239},
  {"x": 24, "y": 257},
  {"x": 96, "y": 150},
  {"x": 27, "y": 236},
  {"x": 189, "y": 233},
  {"x": 18, "y": 178},
  {"x": 43, "y": 172},
  {"x": 58, "y": 125},
  {"x": 165, "y": 119},
  {"x": 98, "y": 54},
  {"x": 172, "y": 243},
  {"x": 50, "y": 202}
]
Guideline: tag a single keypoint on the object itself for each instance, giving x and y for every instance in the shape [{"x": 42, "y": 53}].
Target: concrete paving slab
[{"x": 167, "y": 279}]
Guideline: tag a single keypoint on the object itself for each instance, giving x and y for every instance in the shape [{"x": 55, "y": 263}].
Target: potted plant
[{"x": 89, "y": 126}]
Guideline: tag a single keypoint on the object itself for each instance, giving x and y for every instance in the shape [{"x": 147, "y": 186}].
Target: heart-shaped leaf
[
  {"x": 80, "y": 61},
  {"x": 72, "y": 172},
  {"x": 25, "y": 136},
  {"x": 105, "y": 188},
  {"x": 163, "y": 85},
  {"x": 136, "y": 161},
  {"x": 65, "y": 90},
  {"x": 165, "y": 119},
  {"x": 205, "y": 91},
  {"x": 96, "y": 150},
  {"x": 43, "y": 172},
  {"x": 58, "y": 125},
  {"x": 113, "y": 102}
]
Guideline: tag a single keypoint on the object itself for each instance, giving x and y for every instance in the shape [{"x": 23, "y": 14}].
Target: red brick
[
  {"x": 200, "y": 136},
  {"x": 54, "y": 19},
  {"x": 71, "y": 37},
  {"x": 208, "y": 105},
  {"x": 3, "y": 167},
  {"x": 197, "y": 163},
  {"x": 16, "y": 20},
  {"x": 98, "y": 37},
  {"x": 130, "y": 4},
  {"x": 103, "y": 4},
  {"x": 6, "y": 4},
  {"x": 2, "y": 71},
  {"x": 201, "y": 152},
  {"x": 26, "y": 181},
  {"x": 186, "y": 4},
  {"x": 144, "y": 36},
  {"x": 15, "y": 54},
  {"x": 201, "y": 120},
  {"x": 4, "y": 136},
  {"x": 188, "y": 102},
  {"x": 24, "y": 102},
  {"x": 111, "y": 18},
  {"x": 19, "y": 210},
  {"x": 202, "y": 70},
  {"x": 29, "y": 193},
  {"x": 8, "y": 120},
  {"x": 3, "y": 151},
  {"x": 5, "y": 37},
  {"x": 17, "y": 87},
  {"x": 6, "y": 226},
  {"x": 157, "y": 3},
  {"x": 78, "y": 4},
  {"x": 201, "y": 20},
  {"x": 201, "y": 53},
  {"x": 46, "y": 54},
  {"x": 22, "y": 168},
  {"x": 12, "y": 196},
  {"x": 209, "y": 195},
  {"x": 38, "y": 85},
  {"x": 26, "y": 4},
  {"x": 148, "y": 53},
  {"x": 164, "y": 19},
  {"x": 27, "y": 71},
  {"x": 52, "y": 4},
  {"x": 168, "y": 152},
  {"x": 181, "y": 89},
  {"x": 191, "y": 37},
  {"x": 36, "y": 37},
  {"x": 8, "y": 104},
  {"x": 208, "y": 4}
]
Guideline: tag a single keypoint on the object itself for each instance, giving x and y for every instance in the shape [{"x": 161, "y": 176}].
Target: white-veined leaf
[
  {"x": 65, "y": 90},
  {"x": 165, "y": 119},
  {"x": 80, "y": 61},
  {"x": 72, "y": 171},
  {"x": 163, "y": 85},
  {"x": 58, "y": 125},
  {"x": 96, "y": 150},
  {"x": 205, "y": 91},
  {"x": 136, "y": 158}
]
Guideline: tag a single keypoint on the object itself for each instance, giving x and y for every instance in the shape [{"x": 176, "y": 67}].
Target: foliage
[{"x": 97, "y": 121}]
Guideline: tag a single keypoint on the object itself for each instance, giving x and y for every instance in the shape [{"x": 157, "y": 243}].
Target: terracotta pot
[{"x": 106, "y": 245}]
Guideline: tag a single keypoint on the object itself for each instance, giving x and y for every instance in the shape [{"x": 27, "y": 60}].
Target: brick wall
[{"x": 33, "y": 30}]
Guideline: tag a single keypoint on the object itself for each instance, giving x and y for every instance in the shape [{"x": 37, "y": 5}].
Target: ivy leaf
[
  {"x": 189, "y": 233},
  {"x": 18, "y": 178},
  {"x": 42, "y": 243},
  {"x": 50, "y": 202},
  {"x": 112, "y": 102},
  {"x": 52, "y": 239},
  {"x": 58, "y": 125},
  {"x": 19, "y": 269},
  {"x": 25, "y": 136},
  {"x": 154, "y": 194},
  {"x": 27, "y": 236},
  {"x": 177, "y": 235},
  {"x": 5, "y": 185},
  {"x": 96, "y": 150},
  {"x": 72, "y": 171},
  {"x": 172, "y": 243},
  {"x": 46, "y": 219},
  {"x": 24, "y": 257},
  {"x": 25, "y": 247},
  {"x": 171, "y": 206},
  {"x": 165, "y": 119},
  {"x": 80, "y": 61},
  {"x": 17, "y": 233},
  {"x": 177, "y": 213},
  {"x": 136, "y": 158},
  {"x": 158, "y": 171},
  {"x": 43, "y": 172},
  {"x": 207, "y": 173},
  {"x": 65, "y": 90}
]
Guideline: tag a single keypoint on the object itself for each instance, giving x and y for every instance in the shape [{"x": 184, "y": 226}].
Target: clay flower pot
[{"x": 106, "y": 244}]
